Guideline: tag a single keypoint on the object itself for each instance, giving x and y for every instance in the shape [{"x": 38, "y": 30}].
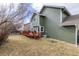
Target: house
[
  {"x": 74, "y": 22},
  {"x": 56, "y": 22}
]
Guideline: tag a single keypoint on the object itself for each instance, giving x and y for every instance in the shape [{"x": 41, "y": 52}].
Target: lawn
[{"x": 20, "y": 45}]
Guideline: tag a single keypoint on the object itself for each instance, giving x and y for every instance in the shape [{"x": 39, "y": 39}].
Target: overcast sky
[{"x": 73, "y": 8}]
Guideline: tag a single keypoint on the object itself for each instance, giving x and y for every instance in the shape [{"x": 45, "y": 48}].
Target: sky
[{"x": 73, "y": 8}]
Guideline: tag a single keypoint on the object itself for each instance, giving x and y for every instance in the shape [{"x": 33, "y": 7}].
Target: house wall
[
  {"x": 52, "y": 28},
  {"x": 35, "y": 21},
  {"x": 64, "y": 15},
  {"x": 42, "y": 20}
]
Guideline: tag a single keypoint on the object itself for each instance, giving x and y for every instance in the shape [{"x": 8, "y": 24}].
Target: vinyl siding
[
  {"x": 35, "y": 21},
  {"x": 42, "y": 20},
  {"x": 52, "y": 28},
  {"x": 64, "y": 16}
]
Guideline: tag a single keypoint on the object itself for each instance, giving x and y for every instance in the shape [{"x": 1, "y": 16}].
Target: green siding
[
  {"x": 52, "y": 28},
  {"x": 42, "y": 20},
  {"x": 63, "y": 16},
  {"x": 35, "y": 21}
]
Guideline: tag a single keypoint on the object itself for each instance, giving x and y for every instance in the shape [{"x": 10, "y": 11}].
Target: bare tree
[{"x": 11, "y": 16}]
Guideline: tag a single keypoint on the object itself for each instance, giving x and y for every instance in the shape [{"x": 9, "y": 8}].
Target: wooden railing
[{"x": 32, "y": 34}]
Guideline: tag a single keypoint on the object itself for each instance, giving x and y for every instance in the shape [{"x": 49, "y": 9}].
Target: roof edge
[{"x": 54, "y": 6}]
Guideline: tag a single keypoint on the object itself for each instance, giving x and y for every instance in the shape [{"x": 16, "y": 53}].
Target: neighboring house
[{"x": 56, "y": 22}]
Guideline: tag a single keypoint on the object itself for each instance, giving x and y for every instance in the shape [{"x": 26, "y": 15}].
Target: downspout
[
  {"x": 60, "y": 17},
  {"x": 76, "y": 32}
]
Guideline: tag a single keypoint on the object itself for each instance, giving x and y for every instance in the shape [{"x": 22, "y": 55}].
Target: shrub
[{"x": 3, "y": 38}]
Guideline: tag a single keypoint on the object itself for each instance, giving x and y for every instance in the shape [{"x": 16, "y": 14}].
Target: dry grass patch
[{"x": 21, "y": 45}]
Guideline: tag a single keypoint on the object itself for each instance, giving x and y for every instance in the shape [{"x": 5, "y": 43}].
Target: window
[{"x": 42, "y": 28}]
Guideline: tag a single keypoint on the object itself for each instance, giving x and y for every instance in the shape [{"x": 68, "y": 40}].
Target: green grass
[{"x": 21, "y": 45}]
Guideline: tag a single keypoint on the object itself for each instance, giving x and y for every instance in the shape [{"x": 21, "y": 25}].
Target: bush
[{"x": 3, "y": 38}]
